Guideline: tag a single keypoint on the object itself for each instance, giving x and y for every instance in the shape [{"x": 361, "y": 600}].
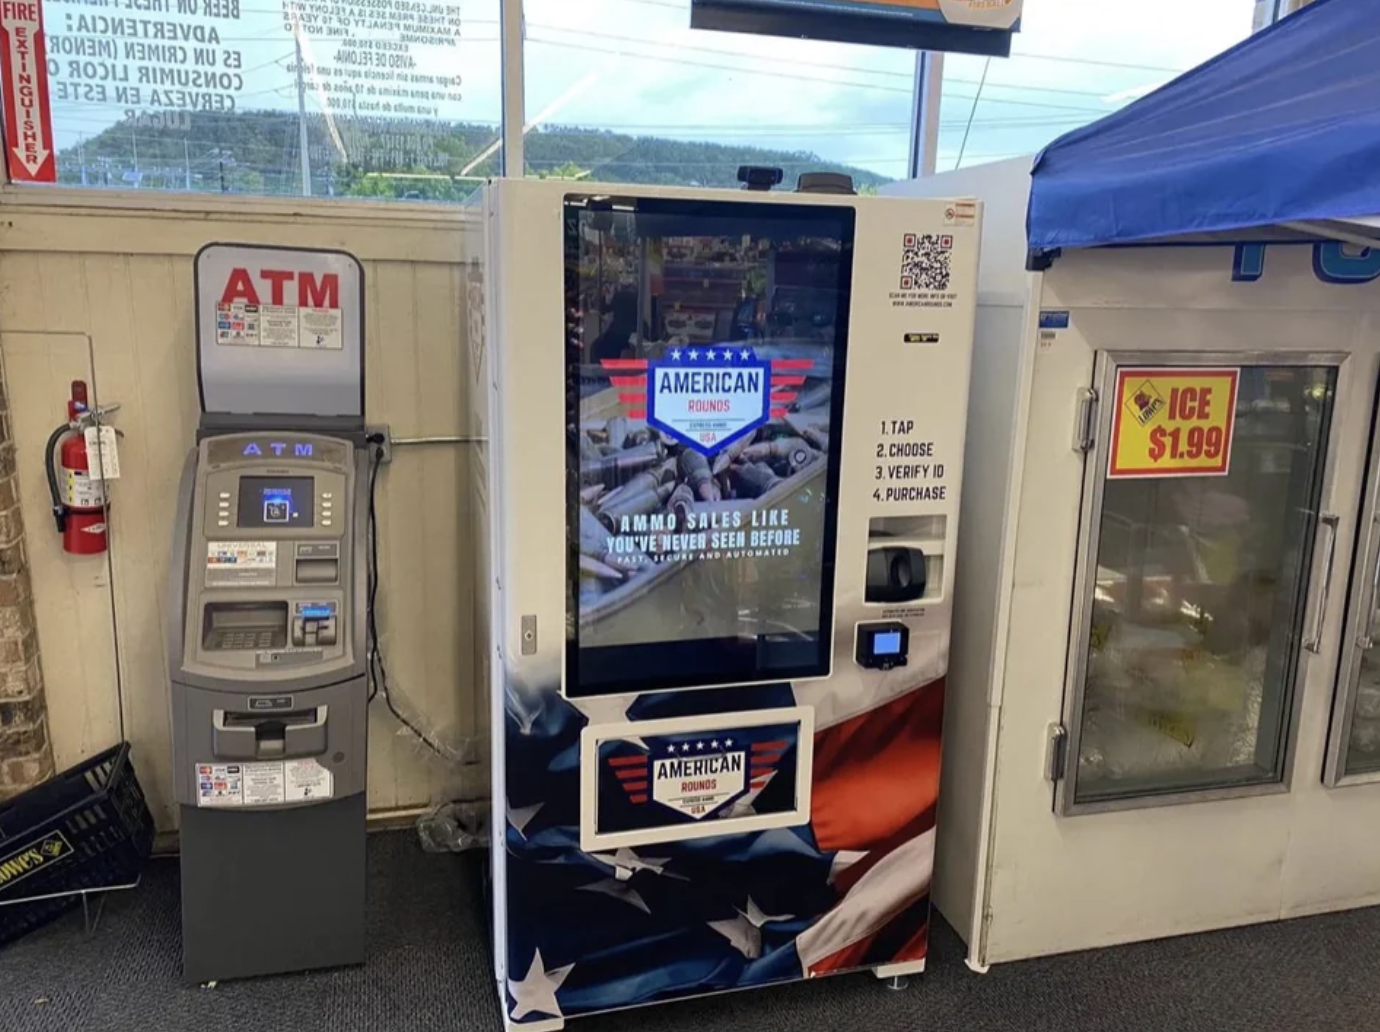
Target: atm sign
[{"x": 300, "y": 449}]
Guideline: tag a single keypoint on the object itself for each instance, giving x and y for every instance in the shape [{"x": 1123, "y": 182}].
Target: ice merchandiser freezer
[
  {"x": 725, "y": 441},
  {"x": 1164, "y": 690}
]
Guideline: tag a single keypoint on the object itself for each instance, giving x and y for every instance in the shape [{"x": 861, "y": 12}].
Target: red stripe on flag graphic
[
  {"x": 788, "y": 381},
  {"x": 635, "y": 786},
  {"x": 640, "y": 398},
  {"x": 637, "y": 413},
  {"x": 632, "y": 772},
  {"x": 783, "y": 397},
  {"x": 638, "y": 798},
  {"x": 626, "y": 761},
  {"x": 792, "y": 363},
  {"x": 623, "y": 363},
  {"x": 778, "y": 413},
  {"x": 639, "y": 382},
  {"x": 761, "y": 747}
]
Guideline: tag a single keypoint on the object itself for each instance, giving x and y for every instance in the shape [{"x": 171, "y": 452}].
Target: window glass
[
  {"x": 1073, "y": 62},
  {"x": 395, "y": 98},
  {"x": 624, "y": 91}
]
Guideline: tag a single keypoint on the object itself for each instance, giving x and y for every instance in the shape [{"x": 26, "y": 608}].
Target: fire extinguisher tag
[{"x": 103, "y": 453}]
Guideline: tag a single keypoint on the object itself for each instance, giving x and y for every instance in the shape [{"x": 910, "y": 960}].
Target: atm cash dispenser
[{"x": 267, "y": 643}]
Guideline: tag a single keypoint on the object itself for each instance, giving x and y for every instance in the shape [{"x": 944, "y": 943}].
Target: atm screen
[
  {"x": 277, "y": 502},
  {"x": 705, "y": 382}
]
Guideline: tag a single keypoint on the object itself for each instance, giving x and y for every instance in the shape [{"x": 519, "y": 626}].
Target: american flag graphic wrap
[{"x": 593, "y": 931}]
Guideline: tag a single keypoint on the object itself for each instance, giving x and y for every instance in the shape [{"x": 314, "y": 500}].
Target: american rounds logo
[
  {"x": 698, "y": 776},
  {"x": 709, "y": 397}
]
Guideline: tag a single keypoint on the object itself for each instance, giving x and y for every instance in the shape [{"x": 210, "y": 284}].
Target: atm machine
[
  {"x": 267, "y": 641},
  {"x": 725, "y": 441}
]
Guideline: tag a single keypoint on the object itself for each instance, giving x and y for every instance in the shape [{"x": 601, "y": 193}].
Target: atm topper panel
[
  {"x": 705, "y": 365},
  {"x": 280, "y": 331}
]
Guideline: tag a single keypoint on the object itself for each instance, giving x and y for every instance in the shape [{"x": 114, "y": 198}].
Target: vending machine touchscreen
[
  {"x": 700, "y": 488},
  {"x": 725, "y": 441}
]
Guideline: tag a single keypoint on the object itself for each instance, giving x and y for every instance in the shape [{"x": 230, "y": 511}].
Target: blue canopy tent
[{"x": 1281, "y": 130}]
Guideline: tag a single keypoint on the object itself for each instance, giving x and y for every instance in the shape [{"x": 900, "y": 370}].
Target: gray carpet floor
[{"x": 428, "y": 969}]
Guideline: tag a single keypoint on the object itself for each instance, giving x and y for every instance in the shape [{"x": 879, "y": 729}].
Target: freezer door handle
[
  {"x": 1368, "y": 638},
  {"x": 1313, "y": 643},
  {"x": 1084, "y": 421}
]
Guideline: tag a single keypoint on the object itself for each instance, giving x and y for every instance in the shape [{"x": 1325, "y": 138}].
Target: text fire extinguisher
[{"x": 81, "y": 504}]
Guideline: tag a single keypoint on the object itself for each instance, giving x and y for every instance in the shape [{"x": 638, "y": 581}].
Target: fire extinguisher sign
[{"x": 29, "y": 148}]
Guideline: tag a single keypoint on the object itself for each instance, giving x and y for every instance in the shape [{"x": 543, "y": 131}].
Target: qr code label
[{"x": 927, "y": 261}]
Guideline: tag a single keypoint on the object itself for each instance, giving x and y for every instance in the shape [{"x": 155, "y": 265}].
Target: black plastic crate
[{"x": 89, "y": 828}]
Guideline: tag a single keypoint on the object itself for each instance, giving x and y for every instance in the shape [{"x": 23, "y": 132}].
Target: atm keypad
[{"x": 224, "y": 641}]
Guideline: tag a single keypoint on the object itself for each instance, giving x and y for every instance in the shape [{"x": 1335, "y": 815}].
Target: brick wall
[{"x": 26, "y": 756}]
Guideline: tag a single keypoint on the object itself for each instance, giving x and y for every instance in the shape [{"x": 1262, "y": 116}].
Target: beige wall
[{"x": 100, "y": 266}]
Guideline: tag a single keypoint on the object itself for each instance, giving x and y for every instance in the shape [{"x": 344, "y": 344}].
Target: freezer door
[
  {"x": 1353, "y": 746},
  {"x": 1194, "y": 599}
]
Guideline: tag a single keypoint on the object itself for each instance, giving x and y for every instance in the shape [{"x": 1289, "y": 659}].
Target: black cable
[{"x": 378, "y": 672}]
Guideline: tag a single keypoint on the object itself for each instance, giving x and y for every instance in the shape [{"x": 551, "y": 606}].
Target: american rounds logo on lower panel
[{"x": 669, "y": 780}]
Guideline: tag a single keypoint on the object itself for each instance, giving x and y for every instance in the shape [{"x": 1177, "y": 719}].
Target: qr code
[{"x": 926, "y": 261}]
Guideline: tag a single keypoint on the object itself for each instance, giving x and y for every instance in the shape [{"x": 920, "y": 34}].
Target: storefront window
[
  {"x": 394, "y": 98},
  {"x": 624, "y": 91},
  {"x": 1073, "y": 62}
]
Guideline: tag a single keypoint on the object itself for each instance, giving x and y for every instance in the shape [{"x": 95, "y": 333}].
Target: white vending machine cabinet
[
  {"x": 1165, "y": 693},
  {"x": 725, "y": 437}
]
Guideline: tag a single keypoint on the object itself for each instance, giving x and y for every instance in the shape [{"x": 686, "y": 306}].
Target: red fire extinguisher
[{"x": 81, "y": 505}]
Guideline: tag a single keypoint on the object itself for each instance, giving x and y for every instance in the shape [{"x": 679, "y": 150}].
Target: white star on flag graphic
[
  {"x": 536, "y": 994},
  {"x": 675, "y": 354},
  {"x": 619, "y": 890},
  {"x": 694, "y": 354}
]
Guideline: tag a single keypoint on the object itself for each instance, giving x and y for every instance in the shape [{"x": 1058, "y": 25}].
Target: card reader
[{"x": 883, "y": 646}]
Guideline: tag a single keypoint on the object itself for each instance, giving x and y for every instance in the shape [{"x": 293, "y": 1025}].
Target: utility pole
[
  {"x": 187, "y": 162},
  {"x": 81, "y": 156},
  {"x": 301, "y": 107}
]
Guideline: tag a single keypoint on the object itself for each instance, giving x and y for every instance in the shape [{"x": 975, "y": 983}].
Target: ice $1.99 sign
[{"x": 1173, "y": 422}]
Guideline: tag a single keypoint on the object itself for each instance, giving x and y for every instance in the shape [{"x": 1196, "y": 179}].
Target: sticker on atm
[
  {"x": 241, "y": 563},
  {"x": 669, "y": 780},
  {"x": 234, "y": 785}
]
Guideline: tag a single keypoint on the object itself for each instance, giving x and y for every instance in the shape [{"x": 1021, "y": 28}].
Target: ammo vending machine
[
  {"x": 726, "y": 433},
  {"x": 266, "y": 636}
]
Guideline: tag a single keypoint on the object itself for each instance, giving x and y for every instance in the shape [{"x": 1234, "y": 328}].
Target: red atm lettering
[
  {"x": 1190, "y": 403},
  {"x": 311, "y": 292},
  {"x": 239, "y": 287},
  {"x": 325, "y": 294}
]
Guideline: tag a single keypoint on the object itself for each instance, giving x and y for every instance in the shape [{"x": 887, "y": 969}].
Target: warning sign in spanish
[{"x": 1173, "y": 422}]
